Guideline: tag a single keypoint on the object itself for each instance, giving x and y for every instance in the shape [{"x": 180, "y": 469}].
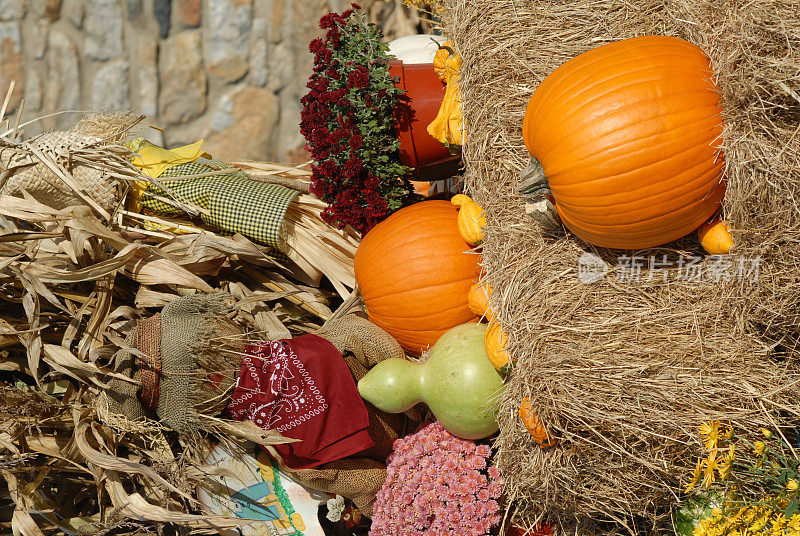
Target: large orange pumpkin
[
  {"x": 627, "y": 135},
  {"x": 414, "y": 274}
]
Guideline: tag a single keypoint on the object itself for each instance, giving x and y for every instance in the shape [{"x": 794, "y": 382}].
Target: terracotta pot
[{"x": 424, "y": 94}]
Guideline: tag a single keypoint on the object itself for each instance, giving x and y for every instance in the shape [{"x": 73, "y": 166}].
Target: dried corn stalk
[{"x": 75, "y": 275}]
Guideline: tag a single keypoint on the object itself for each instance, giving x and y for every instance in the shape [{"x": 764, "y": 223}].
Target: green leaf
[{"x": 791, "y": 508}]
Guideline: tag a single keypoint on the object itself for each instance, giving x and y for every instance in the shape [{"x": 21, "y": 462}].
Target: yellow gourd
[
  {"x": 495, "y": 341},
  {"x": 714, "y": 236},
  {"x": 471, "y": 220},
  {"x": 447, "y": 127},
  {"x": 478, "y": 300}
]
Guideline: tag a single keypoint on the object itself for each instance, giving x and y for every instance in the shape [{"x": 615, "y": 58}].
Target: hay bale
[{"x": 624, "y": 373}]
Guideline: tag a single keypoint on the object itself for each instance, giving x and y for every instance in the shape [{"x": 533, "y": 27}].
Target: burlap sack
[
  {"x": 358, "y": 336},
  {"x": 121, "y": 396},
  {"x": 199, "y": 350},
  {"x": 358, "y": 479}
]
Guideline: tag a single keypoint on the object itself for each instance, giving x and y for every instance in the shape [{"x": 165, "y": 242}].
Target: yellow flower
[
  {"x": 748, "y": 514},
  {"x": 711, "y": 465},
  {"x": 706, "y": 527},
  {"x": 767, "y": 433},
  {"x": 724, "y": 467},
  {"x": 779, "y": 522},
  {"x": 791, "y": 485},
  {"x": 736, "y": 518},
  {"x": 759, "y": 447},
  {"x": 728, "y": 433},
  {"x": 759, "y": 523},
  {"x": 710, "y": 431},
  {"x": 698, "y": 470}
]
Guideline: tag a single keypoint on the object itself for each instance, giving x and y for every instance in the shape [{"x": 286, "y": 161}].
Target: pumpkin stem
[
  {"x": 444, "y": 47},
  {"x": 539, "y": 199},
  {"x": 534, "y": 183}
]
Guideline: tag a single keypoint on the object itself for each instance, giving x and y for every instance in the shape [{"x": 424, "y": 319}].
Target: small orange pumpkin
[
  {"x": 715, "y": 237},
  {"x": 414, "y": 272},
  {"x": 495, "y": 341},
  {"x": 627, "y": 136},
  {"x": 478, "y": 300},
  {"x": 534, "y": 425}
]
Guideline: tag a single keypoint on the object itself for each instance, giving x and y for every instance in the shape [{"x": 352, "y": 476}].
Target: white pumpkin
[{"x": 418, "y": 48}]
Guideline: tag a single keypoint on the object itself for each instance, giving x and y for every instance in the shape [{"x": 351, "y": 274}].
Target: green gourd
[{"x": 457, "y": 382}]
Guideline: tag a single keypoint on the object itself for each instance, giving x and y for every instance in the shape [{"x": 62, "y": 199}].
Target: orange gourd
[
  {"x": 414, "y": 274},
  {"x": 627, "y": 136},
  {"x": 715, "y": 237},
  {"x": 495, "y": 342},
  {"x": 534, "y": 425},
  {"x": 478, "y": 300}
]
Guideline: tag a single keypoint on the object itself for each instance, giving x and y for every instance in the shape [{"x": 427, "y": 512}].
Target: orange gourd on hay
[
  {"x": 627, "y": 135},
  {"x": 495, "y": 341},
  {"x": 715, "y": 237},
  {"x": 478, "y": 300},
  {"x": 414, "y": 274},
  {"x": 534, "y": 425}
]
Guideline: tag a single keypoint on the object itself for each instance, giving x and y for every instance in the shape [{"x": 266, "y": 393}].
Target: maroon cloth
[{"x": 302, "y": 388}]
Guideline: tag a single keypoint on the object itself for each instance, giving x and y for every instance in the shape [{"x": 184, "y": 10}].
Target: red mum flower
[
  {"x": 327, "y": 21},
  {"x": 356, "y": 142},
  {"x": 340, "y": 118},
  {"x": 359, "y": 78}
]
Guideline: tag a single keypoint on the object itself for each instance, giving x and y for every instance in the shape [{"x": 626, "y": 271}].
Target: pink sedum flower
[
  {"x": 496, "y": 489},
  {"x": 437, "y": 485},
  {"x": 494, "y": 473}
]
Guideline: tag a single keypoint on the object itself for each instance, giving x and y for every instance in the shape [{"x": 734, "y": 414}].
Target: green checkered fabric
[{"x": 234, "y": 201}]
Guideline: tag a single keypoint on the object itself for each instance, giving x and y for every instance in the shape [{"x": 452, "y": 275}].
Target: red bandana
[{"x": 302, "y": 388}]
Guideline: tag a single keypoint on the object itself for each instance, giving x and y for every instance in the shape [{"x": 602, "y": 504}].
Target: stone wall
[{"x": 229, "y": 71}]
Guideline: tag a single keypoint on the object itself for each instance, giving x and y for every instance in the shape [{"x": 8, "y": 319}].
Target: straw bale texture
[{"x": 624, "y": 373}]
